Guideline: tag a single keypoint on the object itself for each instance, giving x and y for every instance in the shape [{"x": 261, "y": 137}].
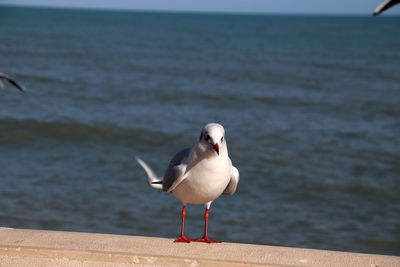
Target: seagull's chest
[
  {"x": 208, "y": 173},
  {"x": 204, "y": 182}
]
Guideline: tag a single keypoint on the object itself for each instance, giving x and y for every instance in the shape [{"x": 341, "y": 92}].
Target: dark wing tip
[
  {"x": 12, "y": 81},
  {"x": 18, "y": 85}
]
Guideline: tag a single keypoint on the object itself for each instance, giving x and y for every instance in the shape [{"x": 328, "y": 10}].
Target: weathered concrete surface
[{"x": 52, "y": 248}]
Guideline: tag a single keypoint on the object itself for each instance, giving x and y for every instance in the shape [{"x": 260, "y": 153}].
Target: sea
[{"x": 310, "y": 106}]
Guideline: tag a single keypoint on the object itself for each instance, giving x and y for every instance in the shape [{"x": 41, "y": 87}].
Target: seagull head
[{"x": 212, "y": 138}]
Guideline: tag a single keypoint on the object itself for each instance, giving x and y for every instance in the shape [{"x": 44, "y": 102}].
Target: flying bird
[
  {"x": 12, "y": 81},
  {"x": 385, "y": 5},
  {"x": 198, "y": 175}
]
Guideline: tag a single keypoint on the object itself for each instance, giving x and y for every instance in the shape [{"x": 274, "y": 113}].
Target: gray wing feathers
[
  {"x": 176, "y": 170},
  {"x": 180, "y": 157},
  {"x": 173, "y": 176},
  {"x": 231, "y": 188}
]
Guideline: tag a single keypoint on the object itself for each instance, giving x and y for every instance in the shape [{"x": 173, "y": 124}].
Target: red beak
[{"x": 216, "y": 148}]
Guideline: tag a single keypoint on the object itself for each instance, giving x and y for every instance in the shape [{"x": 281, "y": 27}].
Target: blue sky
[{"x": 258, "y": 6}]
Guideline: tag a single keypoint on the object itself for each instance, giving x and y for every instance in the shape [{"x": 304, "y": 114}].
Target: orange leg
[
  {"x": 205, "y": 238},
  {"x": 183, "y": 238}
]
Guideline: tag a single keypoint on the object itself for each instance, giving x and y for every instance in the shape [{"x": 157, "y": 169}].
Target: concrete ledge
[{"x": 52, "y": 248}]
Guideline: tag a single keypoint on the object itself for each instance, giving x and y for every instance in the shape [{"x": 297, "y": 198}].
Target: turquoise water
[{"x": 310, "y": 105}]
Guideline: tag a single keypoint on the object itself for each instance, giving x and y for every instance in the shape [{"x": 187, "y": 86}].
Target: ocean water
[{"x": 310, "y": 105}]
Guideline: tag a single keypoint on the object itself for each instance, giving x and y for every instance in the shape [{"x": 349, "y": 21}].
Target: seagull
[
  {"x": 385, "y": 5},
  {"x": 12, "y": 81},
  {"x": 198, "y": 175}
]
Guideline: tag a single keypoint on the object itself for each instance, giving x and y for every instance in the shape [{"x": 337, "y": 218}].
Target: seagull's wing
[
  {"x": 231, "y": 188},
  {"x": 385, "y": 5},
  {"x": 12, "y": 81},
  {"x": 152, "y": 179},
  {"x": 175, "y": 172}
]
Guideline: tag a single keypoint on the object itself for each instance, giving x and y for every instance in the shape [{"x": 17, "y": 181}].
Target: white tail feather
[{"x": 152, "y": 177}]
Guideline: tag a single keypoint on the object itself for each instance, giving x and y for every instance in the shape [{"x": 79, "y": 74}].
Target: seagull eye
[
  {"x": 207, "y": 137},
  {"x": 222, "y": 139}
]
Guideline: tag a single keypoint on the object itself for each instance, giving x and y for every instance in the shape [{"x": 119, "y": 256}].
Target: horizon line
[{"x": 205, "y": 12}]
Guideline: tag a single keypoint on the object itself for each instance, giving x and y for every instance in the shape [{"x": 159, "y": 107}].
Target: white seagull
[
  {"x": 198, "y": 175},
  {"x": 12, "y": 81},
  {"x": 385, "y": 5}
]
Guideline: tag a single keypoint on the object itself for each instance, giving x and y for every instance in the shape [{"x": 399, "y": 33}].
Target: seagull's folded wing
[
  {"x": 231, "y": 188},
  {"x": 175, "y": 172},
  {"x": 173, "y": 177}
]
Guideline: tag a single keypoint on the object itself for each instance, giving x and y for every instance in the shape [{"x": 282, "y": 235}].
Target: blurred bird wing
[
  {"x": 12, "y": 81},
  {"x": 385, "y": 5}
]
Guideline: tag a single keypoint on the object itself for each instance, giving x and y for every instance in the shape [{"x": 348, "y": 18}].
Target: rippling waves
[{"x": 24, "y": 131}]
